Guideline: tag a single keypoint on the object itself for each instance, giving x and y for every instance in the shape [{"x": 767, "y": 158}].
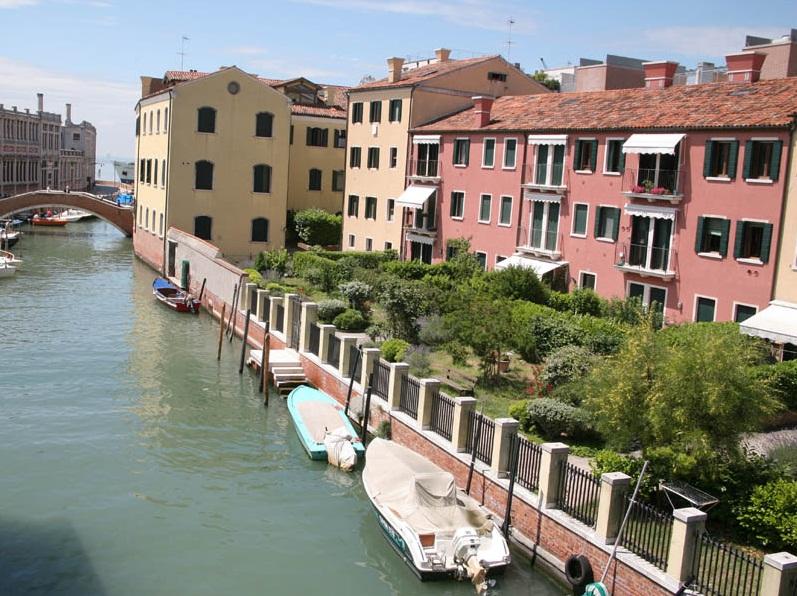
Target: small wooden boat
[
  {"x": 38, "y": 220},
  {"x": 322, "y": 426},
  {"x": 438, "y": 530},
  {"x": 173, "y": 297},
  {"x": 8, "y": 238}
]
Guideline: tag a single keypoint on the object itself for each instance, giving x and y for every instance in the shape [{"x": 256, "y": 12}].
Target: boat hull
[
  {"x": 173, "y": 297},
  {"x": 38, "y": 221}
]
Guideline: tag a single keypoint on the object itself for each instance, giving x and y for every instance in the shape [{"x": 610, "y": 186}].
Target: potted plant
[
  {"x": 503, "y": 362},
  {"x": 659, "y": 190}
]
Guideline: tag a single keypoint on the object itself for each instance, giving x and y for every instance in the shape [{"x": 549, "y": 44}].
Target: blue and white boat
[{"x": 323, "y": 427}]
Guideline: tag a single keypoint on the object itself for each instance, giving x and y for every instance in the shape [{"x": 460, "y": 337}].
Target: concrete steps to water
[{"x": 285, "y": 368}]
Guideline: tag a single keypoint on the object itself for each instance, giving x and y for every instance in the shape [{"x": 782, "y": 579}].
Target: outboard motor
[{"x": 466, "y": 548}]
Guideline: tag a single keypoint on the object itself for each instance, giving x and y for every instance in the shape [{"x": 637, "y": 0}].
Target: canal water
[{"x": 134, "y": 463}]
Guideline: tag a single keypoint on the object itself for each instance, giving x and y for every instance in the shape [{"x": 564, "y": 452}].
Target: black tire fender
[{"x": 578, "y": 571}]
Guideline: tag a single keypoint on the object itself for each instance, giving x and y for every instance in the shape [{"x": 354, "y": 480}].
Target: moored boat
[
  {"x": 323, "y": 427},
  {"x": 6, "y": 268},
  {"x": 173, "y": 297},
  {"x": 439, "y": 531},
  {"x": 39, "y": 220},
  {"x": 8, "y": 238},
  {"x": 72, "y": 215},
  {"x": 9, "y": 259}
]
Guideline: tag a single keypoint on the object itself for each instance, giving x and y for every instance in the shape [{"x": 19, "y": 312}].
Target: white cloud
[
  {"x": 703, "y": 41},
  {"x": 17, "y": 3},
  {"x": 107, "y": 104}
]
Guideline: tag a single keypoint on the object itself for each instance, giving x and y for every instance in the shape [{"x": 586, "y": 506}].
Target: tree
[
  {"x": 541, "y": 77},
  {"x": 403, "y": 302},
  {"x": 318, "y": 227}
]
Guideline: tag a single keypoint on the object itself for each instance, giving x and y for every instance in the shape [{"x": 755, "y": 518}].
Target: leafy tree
[
  {"x": 318, "y": 227},
  {"x": 517, "y": 283},
  {"x": 403, "y": 302},
  {"x": 275, "y": 260},
  {"x": 543, "y": 78},
  {"x": 771, "y": 514},
  {"x": 357, "y": 293}
]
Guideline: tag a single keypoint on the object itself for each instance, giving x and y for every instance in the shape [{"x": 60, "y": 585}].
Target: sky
[{"x": 92, "y": 52}]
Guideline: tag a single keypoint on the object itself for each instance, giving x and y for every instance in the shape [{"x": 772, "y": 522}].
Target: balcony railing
[
  {"x": 418, "y": 222},
  {"x": 646, "y": 260},
  {"x": 653, "y": 184},
  {"x": 425, "y": 169},
  {"x": 536, "y": 177}
]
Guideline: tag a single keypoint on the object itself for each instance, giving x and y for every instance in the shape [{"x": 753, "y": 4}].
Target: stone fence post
[
  {"x": 309, "y": 316},
  {"x": 287, "y": 317},
  {"x": 274, "y": 302},
  {"x": 463, "y": 406},
  {"x": 369, "y": 359},
  {"x": 398, "y": 372},
  {"x": 250, "y": 297},
  {"x": 780, "y": 575},
  {"x": 688, "y": 524},
  {"x": 327, "y": 331},
  {"x": 263, "y": 306},
  {"x": 428, "y": 388},
  {"x": 505, "y": 429},
  {"x": 611, "y": 505},
  {"x": 552, "y": 467}
]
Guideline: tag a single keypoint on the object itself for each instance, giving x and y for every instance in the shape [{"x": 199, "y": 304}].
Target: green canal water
[{"x": 134, "y": 463}]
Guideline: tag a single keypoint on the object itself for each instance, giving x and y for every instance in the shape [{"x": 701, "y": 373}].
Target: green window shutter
[
  {"x": 737, "y": 245},
  {"x": 621, "y": 160},
  {"x": 726, "y": 232},
  {"x": 616, "y": 227},
  {"x": 597, "y": 230},
  {"x": 593, "y": 162},
  {"x": 309, "y": 135},
  {"x": 577, "y": 155},
  {"x": 774, "y": 166},
  {"x": 766, "y": 242},
  {"x": 700, "y": 224},
  {"x": 733, "y": 157},
  {"x": 748, "y": 158},
  {"x": 708, "y": 154}
]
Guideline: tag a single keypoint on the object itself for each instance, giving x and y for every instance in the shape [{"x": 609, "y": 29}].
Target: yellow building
[{"x": 381, "y": 113}]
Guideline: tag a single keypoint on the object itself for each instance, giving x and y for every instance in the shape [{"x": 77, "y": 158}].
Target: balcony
[
  {"x": 646, "y": 260},
  {"x": 541, "y": 243},
  {"x": 420, "y": 222},
  {"x": 539, "y": 178},
  {"x": 653, "y": 184},
  {"x": 424, "y": 170}
]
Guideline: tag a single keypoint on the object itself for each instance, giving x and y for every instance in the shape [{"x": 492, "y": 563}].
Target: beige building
[{"x": 380, "y": 115}]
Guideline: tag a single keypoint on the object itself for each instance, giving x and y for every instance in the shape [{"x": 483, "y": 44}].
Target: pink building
[{"x": 672, "y": 194}]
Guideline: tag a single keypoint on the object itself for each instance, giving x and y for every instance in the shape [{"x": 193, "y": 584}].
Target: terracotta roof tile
[
  {"x": 423, "y": 73},
  {"x": 184, "y": 75},
  {"x": 322, "y": 111},
  {"x": 764, "y": 104}
]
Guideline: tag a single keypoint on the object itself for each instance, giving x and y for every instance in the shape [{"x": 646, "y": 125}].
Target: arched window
[
  {"x": 263, "y": 124},
  {"x": 262, "y": 178},
  {"x": 202, "y": 226},
  {"x": 155, "y": 177},
  {"x": 158, "y": 123},
  {"x": 150, "y": 123},
  {"x": 204, "y": 175},
  {"x": 206, "y": 120},
  {"x": 165, "y": 119},
  {"x": 146, "y": 219},
  {"x": 160, "y": 226},
  {"x": 260, "y": 229},
  {"x": 163, "y": 173},
  {"x": 315, "y": 179}
]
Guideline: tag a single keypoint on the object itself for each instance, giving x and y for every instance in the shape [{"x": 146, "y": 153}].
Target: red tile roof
[
  {"x": 322, "y": 111},
  {"x": 423, "y": 73},
  {"x": 764, "y": 104},
  {"x": 184, "y": 75}
]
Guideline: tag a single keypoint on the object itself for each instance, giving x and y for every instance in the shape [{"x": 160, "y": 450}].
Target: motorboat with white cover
[{"x": 439, "y": 531}]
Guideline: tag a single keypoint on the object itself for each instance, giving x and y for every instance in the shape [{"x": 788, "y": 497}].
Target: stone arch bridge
[{"x": 119, "y": 216}]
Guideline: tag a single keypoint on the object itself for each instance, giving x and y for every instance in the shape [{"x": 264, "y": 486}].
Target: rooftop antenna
[
  {"x": 510, "y": 21},
  {"x": 182, "y": 52}
]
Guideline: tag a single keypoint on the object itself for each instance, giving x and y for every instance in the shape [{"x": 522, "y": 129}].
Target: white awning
[
  {"x": 415, "y": 196},
  {"x": 653, "y": 212},
  {"x": 426, "y": 139},
  {"x": 652, "y": 143},
  {"x": 777, "y": 323},
  {"x": 547, "y": 139},
  {"x": 545, "y": 197},
  {"x": 539, "y": 266},
  {"x": 420, "y": 238}
]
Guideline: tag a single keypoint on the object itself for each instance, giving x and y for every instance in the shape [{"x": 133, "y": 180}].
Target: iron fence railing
[
  {"x": 408, "y": 396},
  {"x": 381, "y": 378},
  {"x": 333, "y": 350},
  {"x": 648, "y": 532},
  {"x": 442, "y": 414},
  {"x": 529, "y": 457},
  {"x": 355, "y": 363},
  {"x": 719, "y": 569},
  {"x": 579, "y": 492},
  {"x": 315, "y": 338},
  {"x": 484, "y": 449},
  {"x": 279, "y": 323}
]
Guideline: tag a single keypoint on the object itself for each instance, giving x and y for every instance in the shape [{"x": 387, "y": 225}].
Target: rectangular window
[
  {"x": 712, "y": 235},
  {"x": 393, "y": 157},
  {"x": 753, "y": 240},
  {"x": 426, "y": 165},
  {"x": 315, "y": 180},
  {"x": 742, "y": 312},
  {"x": 580, "y": 214},
  {"x": 544, "y": 231},
  {"x": 395, "y": 110},
  {"x": 370, "y": 207},
  {"x": 704, "y": 309},
  {"x": 375, "y": 113},
  {"x": 351, "y": 240},
  {"x": 291, "y": 135},
  {"x": 505, "y": 215},
  {"x": 373, "y": 158},
  {"x": 356, "y": 113},
  {"x": 317, "y": 137},
  {"x": 510, "y": 153},
  {"x": 482, "y": 258},
  {"x": 615, "y": 158},
  {"x": 355, "y": 157},
  {"x": 391, "y": 209},
  {"x": 649, "y": 296},
  {"x": 719, "y": 160},
  {"x": 354, "y": 206},
  {"x": 340, "y": 139},
  {"x": 388, "y": 246},
  {"x": 457, "y": 204},
  {"x": 607, "y": 223},
  {"x": 485, "y": 206},
  {"x": 586, "y": 155},
  {"x": 461, "y": 152},
  {"x": 369, "y": 244},
  {"x": 488, "y": 153},
  {"x": 587, "y": 280},
  {"x": 338, "y": 180},
  {"x": 496, "y": 76},
  {"x": 549, "y": 170},
  {"x": 762, "y": 160}
]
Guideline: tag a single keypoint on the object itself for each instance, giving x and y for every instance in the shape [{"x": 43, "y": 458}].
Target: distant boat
[
  {"x": 9, "y": 259},
  {"x": 38, "y": 220},
  {"x": 73, "y": 215},
  {"x": 8, "y": 238},
  {"x": 125, "y": 171},
  {"x": 6, "y": 268},
  {"x": 173, "y": 297},
  {"x": 322, "y": 425}
]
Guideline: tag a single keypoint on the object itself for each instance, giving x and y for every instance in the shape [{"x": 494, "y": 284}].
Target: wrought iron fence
[
  {"x": 279, "y": 323},
  {"x": 355, "y": 363},
  {"x": 484, "y": 450},
  {"x": 381, "y": 378},
  {"x": 333, "y": 350},
  {"x": 719, "y": 569},
  {"x": 648, "y": 532},
  {"x": 579, "y": 492},
  {"x": 442, "y": 414},
  {"x": 529, "y": 457},
  {"x": 315, "y": 338},
  {"x": 408, "y": 397}
]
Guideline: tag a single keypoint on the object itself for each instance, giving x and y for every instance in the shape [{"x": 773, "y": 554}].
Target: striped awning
[
  {"x": 420, "y": 238},
  {"x": 426, "y": 139},
  {"x": 547, "y": 139},
  {"x": 652, "y": 212}
]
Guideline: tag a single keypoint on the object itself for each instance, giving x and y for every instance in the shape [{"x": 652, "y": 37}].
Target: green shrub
[
  {"x": 350, "y": 320},
  {"x": 517, "y": 283},
  {"x": 357, "y": 293},
  {"x": 552, "y": 419},
  {"x": 318, "y": 227},
  {"x": 771, "y": 514},
  {"x": 383, "y": 431},
  {"x": 568, "y": 363},
  {"x": 552, "y": 333},
  {"x": 322, "y": 277},
  {"x": 303, "y": 262},
  {"x": 601, "y": 336},
  {"x": 329, "y": 309},
  {"x": 606, "y": 460},
  {"x": 782, "y": 380},
  {"x": 394, "y": 349},
  {"x": 274, "y": 260},
  {"x": 406, "y": 269},
  {"x": 434, "y": 331},
  {"x": 276, "y": 289},
  {"x": 364, "y": 259},
  {"x": 519, "y": 411},
  {"x": 418, "y": 359},
  {"x": 581, "y": 301},
  {"x": 458, "y": 352},
  {"x": 256, "y": 278}
]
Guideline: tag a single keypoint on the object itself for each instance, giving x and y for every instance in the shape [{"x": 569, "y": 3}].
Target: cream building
[{"x": 381, "y": 113}]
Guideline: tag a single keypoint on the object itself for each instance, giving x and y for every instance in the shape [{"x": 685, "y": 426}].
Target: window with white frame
[
  {"x": 587, "y": 280},
  {"x": 481, "y": 257},
  {"x": 488, "y": 153},
  {"x": 614, "y": 161},
  {"x": 544, "y": 232},
  {"x": 549, "y": 167},
  {"x": 457, "y": 204},
  {"x": 705, "y": 309},
  {"x": 369, "y": 244},
  {"x": 607, "y": 223},
  {"x": 510, "y": 153},
  {"x": 461, "y": 152},
  {"x": 505, "y": 212},
  {"x": 351, "y": 237},
  {"x": 580, "y": 216},
  {"x": 742, "y": 312},
  {"x": 391, "y": 209},
  {"x": 648, "y": 295},
  {"x": 485, "y": 207}
]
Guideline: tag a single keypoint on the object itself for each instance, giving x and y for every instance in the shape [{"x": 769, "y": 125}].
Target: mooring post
[
  {"x": 202, "y": 290},
  {"x": 231, "y": 322},
  {"x": 263, "y": 358},
  {"x": 265, "y": 362},
  {"x": 221, "y": 329},
  {"x": 243, "y": 345},
  {"x": 364, "y": 431},
  {"x": 514, "y": 453}
]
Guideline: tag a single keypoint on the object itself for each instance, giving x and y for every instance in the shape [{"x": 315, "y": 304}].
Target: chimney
[
  {"x": 744, "y": 67},
  {"x": 442, "y": 54},
  {"x": 40, "y": 97},
  {"x": 483, "y": 105},
  {"x": 659, "y": 75},
  {"x": 69, "y": 113},
  {"x": 394, "y": 69}
]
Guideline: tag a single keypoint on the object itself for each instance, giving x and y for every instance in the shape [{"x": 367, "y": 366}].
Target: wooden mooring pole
[
  {"x": 202, "y": 291},
  {"x": 367, "y": 411},
  {"x": 265, "y": 362},
  {"x": 263, "y": 359},
  {"x": 221, "y": 329},
  {"x": 243, "y": 345},
  {"x": 231, "y": 322}
]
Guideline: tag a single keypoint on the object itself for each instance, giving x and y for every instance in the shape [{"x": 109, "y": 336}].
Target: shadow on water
[{"x": 44, "y": 557}]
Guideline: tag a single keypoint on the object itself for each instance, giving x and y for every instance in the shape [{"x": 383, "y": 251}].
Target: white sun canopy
[
  {"x": 547, "y": 139},
  {"x": 415, "y": 196},
  {"x": 420, "y": 238},
  {"x": 426, "y": 139},
  {"x": 652, "y": 143},
  {"x": 539, "y": 266},
  {"x": 653, "y": 212},
  {"x": 777, "y": 323}
]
